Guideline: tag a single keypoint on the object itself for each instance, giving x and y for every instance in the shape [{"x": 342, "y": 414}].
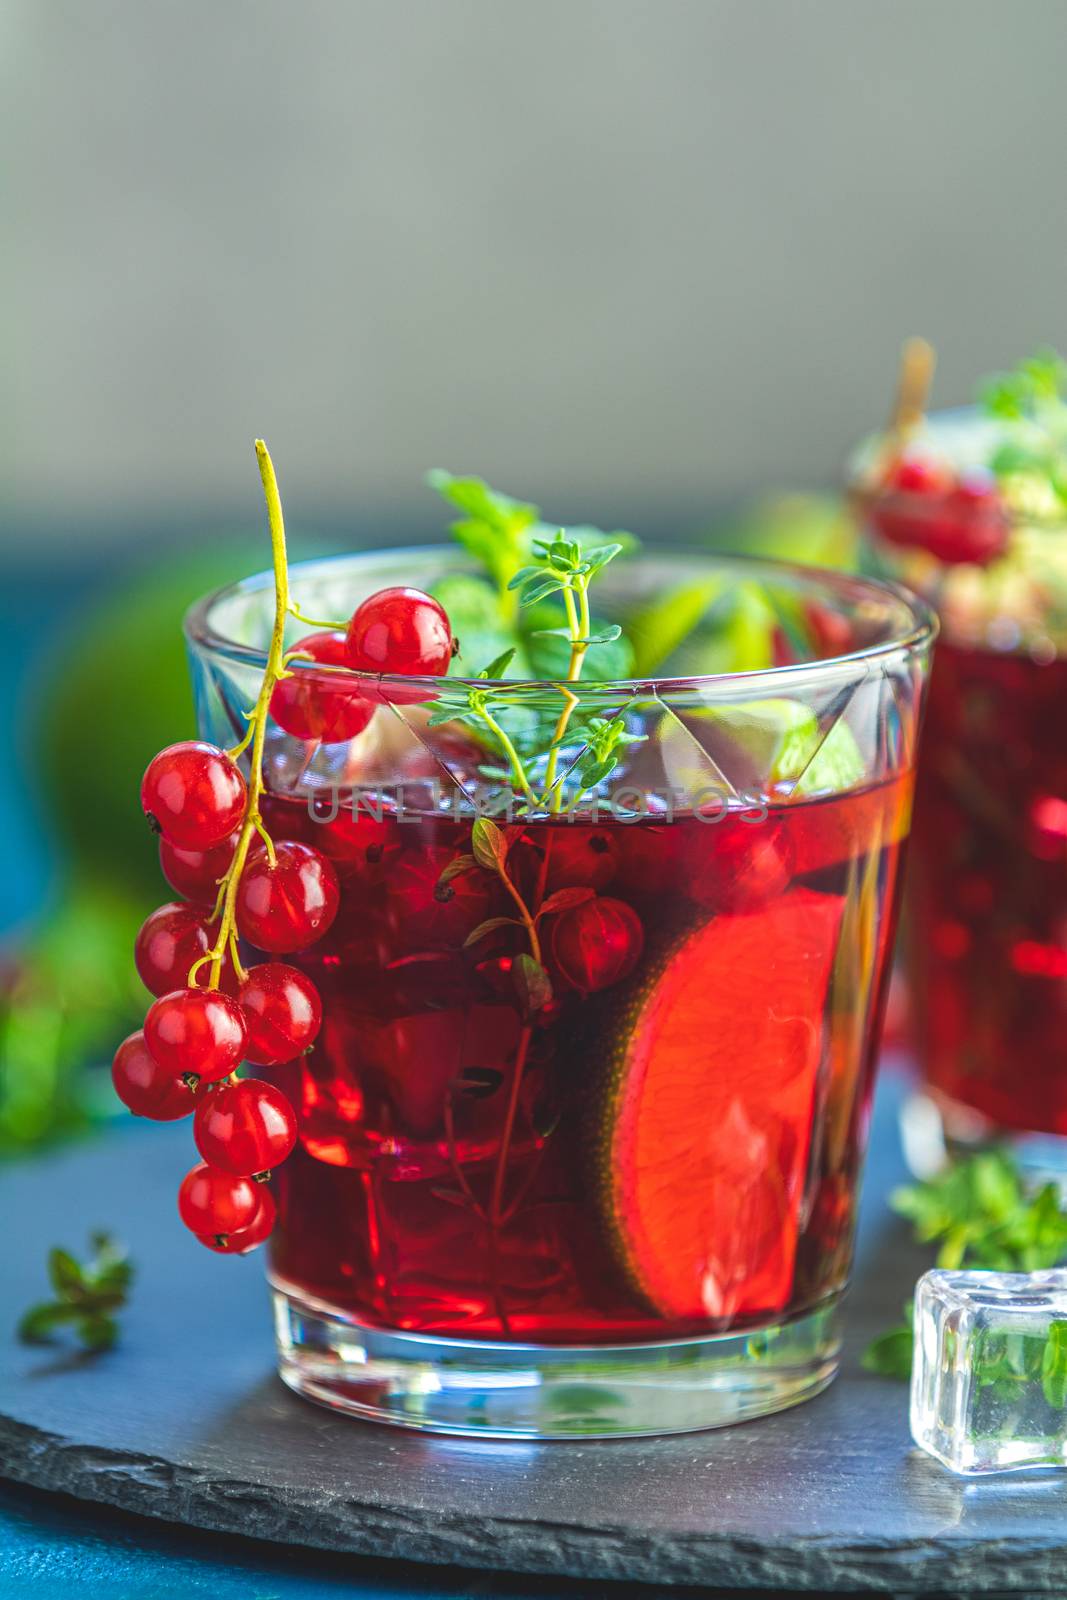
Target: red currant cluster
[
  {"x": 200, "y": 1028},
  {"x": 210, "y": 1014},
  {"x": 923, "y": 503}
]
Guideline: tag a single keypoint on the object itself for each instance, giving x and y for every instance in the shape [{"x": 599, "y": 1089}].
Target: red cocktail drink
[
  {"x": 968, "y": 508},
  {"x": 673, "y": 1155}
]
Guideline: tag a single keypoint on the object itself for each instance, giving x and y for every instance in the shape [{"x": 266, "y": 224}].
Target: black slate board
[{"x": 186, "y": 1421}]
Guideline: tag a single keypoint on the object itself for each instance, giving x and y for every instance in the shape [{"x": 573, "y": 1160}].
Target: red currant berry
[
  {"x": 744, "y": 865},
  {"x": 196, "y": 1030},
  {"x": 170, "y": 940},
  {"x": 283, "y": 1011},
  {"x": 290, "y": 905},
  {"x": 918, "y": 475},
  {"x": 422, "y": 912},
  {"x": 193, "y": 794},
  {"x": 196, "y": 873},
  {"x": 597, "y": 943},
  {"x": 242, "y": 1240},
  {"x": 216, "y": 1202},
  {"x": 402, "y": 631},
  {"x": 144, "y": 1087},
  {"x": 580, "y": 857},
  {"x": 326, "y": 706},
  {"x": 972, "y": 526},
  {"x": 244, "y": 1127}
]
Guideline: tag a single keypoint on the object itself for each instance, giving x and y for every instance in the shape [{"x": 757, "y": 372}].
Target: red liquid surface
[
  {"x": 673, "y": 1155},
  {"x": 987, "y": 900}
]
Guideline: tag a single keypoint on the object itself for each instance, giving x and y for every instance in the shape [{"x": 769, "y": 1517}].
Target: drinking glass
[
  {"x": 581, "y": 1135},
  {"x": 987, "y": 882}
]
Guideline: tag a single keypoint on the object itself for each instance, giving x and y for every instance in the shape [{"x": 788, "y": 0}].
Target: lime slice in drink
[{"x": 704, "y": 1111}]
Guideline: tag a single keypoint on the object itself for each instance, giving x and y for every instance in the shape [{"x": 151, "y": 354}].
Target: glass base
[
  {"x": 522, "y": 1391},
  {"x": 936, "y": 1129}
]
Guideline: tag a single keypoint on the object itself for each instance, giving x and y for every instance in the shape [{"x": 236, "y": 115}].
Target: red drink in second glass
[{"x": 988, "y": 889}]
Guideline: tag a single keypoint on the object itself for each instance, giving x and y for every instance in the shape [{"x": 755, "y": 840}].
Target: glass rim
[{"x": 922, "y": 630}]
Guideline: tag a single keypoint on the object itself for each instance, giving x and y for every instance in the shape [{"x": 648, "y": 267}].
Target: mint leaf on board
[
  {"x": 86, "y": 1296},
  {"x": 980, "y": 1213},
  {"x": 889, "y": 1356}
]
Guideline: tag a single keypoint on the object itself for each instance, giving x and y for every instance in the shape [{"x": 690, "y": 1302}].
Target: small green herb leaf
[
  {"x": 489, "y": 845},
  {"x": 65, "y": 1273},
  {"x": 890, "y": 1354},
  {"x": 490, "y": 925},
  {"x": 39, "y": 1322},
  {"x": 532, "y": 984},
  {"x": 458, "y": 864},
  {"x": 564, "y": 900},
  {"x": 86, "y": 1296},
  {"x": 97, "y": 1330},
  {"x": 500, "y": 664},
  {"x": 495, "y": 529}
]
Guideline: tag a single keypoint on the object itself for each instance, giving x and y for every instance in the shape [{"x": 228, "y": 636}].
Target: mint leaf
[
  {"x": 97, "y": 1330},
  {"x": 39, "y": 1322},
  {"x": 473, "y": 607},
  {"x": 890, "y": 1355},
  {"x": 86, "y": 1296},
  {"x": 495, "y": 529},
  {"x": 65, "y": 1273},
  {"x": 499, "y": 665}
]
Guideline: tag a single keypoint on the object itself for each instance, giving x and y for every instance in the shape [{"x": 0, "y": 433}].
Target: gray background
[{"x": 636, "y": 258}]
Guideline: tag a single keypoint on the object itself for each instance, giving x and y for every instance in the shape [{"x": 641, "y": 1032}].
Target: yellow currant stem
[
  {"x": 252, "y": 822},
  {"x": 235, "y": 957},
  {"x": 317, "y": 622},
  {"x": 578, "y": 622}
]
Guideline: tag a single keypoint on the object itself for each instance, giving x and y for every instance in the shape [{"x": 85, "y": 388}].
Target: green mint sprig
[
  {"x": 980, "y": 1214},
  {"x": 494, "y": 530},
  {"x": 86, "y": 1296},
  {"x": 1030, "y": 404}
]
